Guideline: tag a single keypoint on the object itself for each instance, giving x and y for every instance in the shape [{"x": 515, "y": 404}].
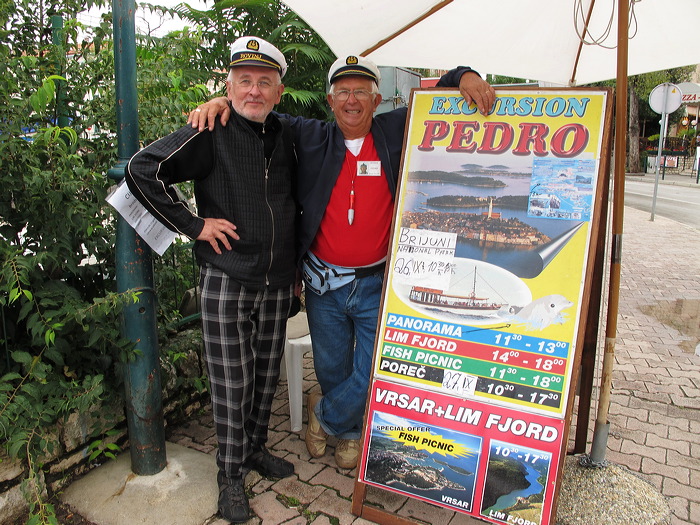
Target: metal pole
[
  {"x": 134, "y": 270},
  {"x": 602, "y": 427},
  {"x": 664, "y": 120},
  {"x": 57, "y": 40}
]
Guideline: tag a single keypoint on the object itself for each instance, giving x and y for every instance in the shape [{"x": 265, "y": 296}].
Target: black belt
[{"x": 366, "y": 271}]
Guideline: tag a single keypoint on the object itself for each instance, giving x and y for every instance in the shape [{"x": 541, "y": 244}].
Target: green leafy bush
[{"x": 60, "y": 342}]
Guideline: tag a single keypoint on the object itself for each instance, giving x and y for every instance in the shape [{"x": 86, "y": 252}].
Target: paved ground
[
  {"x": 655, "y": 410},
  {"x": 654, "y": 414}
]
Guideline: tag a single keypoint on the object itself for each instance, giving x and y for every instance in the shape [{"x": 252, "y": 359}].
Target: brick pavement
[
  {"x": 654, "y": 414},
  {"x": 655, "y": 408}
]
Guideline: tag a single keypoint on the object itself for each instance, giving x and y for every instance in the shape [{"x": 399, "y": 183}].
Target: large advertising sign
[{"x": 484, "y": 298}]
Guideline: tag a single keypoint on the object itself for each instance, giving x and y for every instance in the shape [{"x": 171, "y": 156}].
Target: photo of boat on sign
[
  {"x": 479, "y": 293},
  {"x": 469, "y": 304},
  {"x": 476, "y": 293}
]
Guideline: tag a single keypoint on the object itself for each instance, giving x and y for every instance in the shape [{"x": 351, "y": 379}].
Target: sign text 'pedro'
[{"x": 532, "y": 137}]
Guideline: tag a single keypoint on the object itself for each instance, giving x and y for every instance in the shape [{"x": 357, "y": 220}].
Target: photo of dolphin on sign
[{"x": 541, "y": 312}]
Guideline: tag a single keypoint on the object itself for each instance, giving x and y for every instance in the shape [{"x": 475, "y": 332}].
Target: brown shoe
[
  {"x": 347, "y": 452},
  {"x": 315, "y": 435}
]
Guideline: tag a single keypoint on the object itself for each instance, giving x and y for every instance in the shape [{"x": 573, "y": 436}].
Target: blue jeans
[{"x": 343, "y": 326}]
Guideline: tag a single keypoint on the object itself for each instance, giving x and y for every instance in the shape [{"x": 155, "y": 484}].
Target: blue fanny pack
[{"x": 321, "y": 276}]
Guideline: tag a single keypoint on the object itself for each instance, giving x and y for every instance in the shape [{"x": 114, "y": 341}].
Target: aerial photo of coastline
[
  {"x": 408, "y": 461},
  {"x": 492, "y": 210},
  {"x": 516, "y": 480}
]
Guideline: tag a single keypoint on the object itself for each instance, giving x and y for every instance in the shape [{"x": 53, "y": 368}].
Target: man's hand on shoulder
[
  {"x": 217, "y": 231},
  {"x": 205, "y": 114},
  {"x": 477, "y": 90}
]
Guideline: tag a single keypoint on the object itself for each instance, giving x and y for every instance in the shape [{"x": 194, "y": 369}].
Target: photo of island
[
  {"x": 492, "y": 209},
  {"x": 484, "y": 224},
  {"x": 516, "y": 480},
  {"x": 428, "y": 462}
]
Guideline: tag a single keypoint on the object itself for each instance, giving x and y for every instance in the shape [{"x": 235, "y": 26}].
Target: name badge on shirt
[{"x": 369, "y": 168}]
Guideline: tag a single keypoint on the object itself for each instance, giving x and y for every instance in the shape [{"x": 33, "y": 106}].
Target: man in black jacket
[
  {"x": 348, "y": 173},
  {"x": 245, "y": 246}
]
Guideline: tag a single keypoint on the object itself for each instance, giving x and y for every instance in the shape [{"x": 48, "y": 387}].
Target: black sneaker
[
  {"x": 233, "y": 502},
  {"x": 268, "y": 465}
]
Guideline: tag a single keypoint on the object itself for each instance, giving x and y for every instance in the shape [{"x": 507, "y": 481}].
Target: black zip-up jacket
[{"x": 232, "y": 180}]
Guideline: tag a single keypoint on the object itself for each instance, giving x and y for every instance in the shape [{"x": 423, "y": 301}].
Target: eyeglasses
[
  {"x": 359, "y": 94},
  {"x": 263, "y": 85}
]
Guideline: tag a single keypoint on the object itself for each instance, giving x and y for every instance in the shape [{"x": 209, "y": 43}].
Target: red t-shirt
[{"x": 366, "y": 240}]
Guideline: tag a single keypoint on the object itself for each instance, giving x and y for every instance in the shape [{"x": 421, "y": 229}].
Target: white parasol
[{"x": 567, "y": 42}]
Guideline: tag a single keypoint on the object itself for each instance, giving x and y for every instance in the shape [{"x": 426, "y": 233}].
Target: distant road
[{"x": 680, "y": 203}]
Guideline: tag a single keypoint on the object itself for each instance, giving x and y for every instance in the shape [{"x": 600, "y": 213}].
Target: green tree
[
  {"x": 59, "y": 313},
  {"x": 640, "y": 113},
  {"x": 308, "y": 57},
  {"x": 505, "y": 80},
  {"x": 59, "y": 327}
]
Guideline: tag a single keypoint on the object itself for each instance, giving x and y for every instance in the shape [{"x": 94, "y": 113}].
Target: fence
[{"x": 672, "y": 146}]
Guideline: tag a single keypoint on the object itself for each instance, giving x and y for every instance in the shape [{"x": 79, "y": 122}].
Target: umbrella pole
[{"x": 602, "y": 427}]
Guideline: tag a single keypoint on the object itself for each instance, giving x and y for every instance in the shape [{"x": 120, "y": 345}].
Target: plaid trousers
[{"x": 244, "y": 333}]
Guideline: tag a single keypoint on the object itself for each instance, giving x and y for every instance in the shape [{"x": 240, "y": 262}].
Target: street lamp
[{"x": 687, "y": 123}]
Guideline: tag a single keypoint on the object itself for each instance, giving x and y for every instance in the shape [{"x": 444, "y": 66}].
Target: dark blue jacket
[{"x": 320, "y": 148}]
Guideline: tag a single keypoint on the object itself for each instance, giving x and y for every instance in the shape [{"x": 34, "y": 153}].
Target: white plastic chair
[{"x": 298, "y": 343}]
